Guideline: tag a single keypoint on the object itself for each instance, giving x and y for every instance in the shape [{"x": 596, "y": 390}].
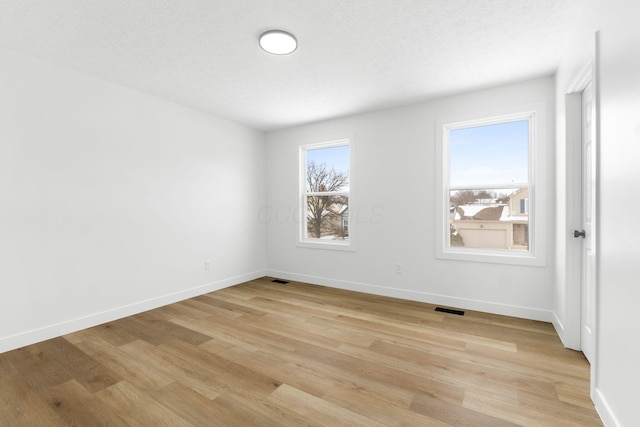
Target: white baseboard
[
  {"x": 468, "y": 304},
  {"x": 604, "y": 410},
  {"x": 558, "y": 325},
  {"x": 34, "y": 336},
  {"x": 566, "y": 337},
  {"x": 569, "y": 340}
]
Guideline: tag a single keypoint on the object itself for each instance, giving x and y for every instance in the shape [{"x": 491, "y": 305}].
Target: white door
[{"x": 588, "y": 222}]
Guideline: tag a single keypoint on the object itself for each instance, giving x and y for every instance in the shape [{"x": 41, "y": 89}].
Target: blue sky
[
  {"x": 336, "y": 157},
  {"x": 492, "y": 154}
]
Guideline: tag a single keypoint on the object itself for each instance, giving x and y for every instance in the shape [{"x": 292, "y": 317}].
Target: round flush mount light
[{"x": 278, "y": 42}]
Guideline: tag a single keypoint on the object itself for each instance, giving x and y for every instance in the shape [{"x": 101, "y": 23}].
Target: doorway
[
  {"x": 581, "y": 196},
  {"x": 587, "y": 231}
]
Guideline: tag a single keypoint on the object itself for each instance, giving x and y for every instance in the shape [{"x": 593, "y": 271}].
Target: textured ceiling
[{"x": 353, "y": 55}]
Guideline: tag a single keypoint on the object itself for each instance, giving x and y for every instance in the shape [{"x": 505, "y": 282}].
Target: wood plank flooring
[{"x": 269, "y": 354}]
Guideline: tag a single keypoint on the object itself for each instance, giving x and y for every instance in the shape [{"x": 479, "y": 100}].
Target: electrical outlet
[
  {"x": 398, "y": 268},
  {"x": 207, "y": 264}
]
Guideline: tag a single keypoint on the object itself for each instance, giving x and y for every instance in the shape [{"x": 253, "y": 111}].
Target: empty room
[{"x": 319, "y": 213}]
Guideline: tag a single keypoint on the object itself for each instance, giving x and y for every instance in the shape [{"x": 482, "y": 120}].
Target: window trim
[
  {"x": 536, "y": 255},
  {"x": 303, "y": 242}
]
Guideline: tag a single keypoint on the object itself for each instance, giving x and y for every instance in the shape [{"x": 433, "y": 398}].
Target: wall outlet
[
  {"x": 398, "y": 268},
  {"x": 207, "y": 264}
]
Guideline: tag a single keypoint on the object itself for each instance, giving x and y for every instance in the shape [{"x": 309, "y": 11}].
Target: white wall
[
  {"x": 111, "y": 200},
  {"x": 618, "y": 344},
  {"x": 616, "y": 368},
  {"x": 394, "y": 182}
]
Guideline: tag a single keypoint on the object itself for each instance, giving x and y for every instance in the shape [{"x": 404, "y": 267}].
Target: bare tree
[
  {"x": 323, "y": 212},
  {"x": 464, "y": 197},
  {"x": 455, "y": 239}
]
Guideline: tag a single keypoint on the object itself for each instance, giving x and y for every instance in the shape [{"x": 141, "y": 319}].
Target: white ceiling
[{"x": 353, "y": 55}]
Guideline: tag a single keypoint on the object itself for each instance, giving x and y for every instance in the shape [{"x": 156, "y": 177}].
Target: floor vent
[
  {"x": 282, "y": 282},
  {"x": 450, "y": 311}
]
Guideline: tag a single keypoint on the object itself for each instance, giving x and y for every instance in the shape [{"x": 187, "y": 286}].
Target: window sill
[
  {"x": 493, "y": 256},
  {"x": 346, "y": 246}
]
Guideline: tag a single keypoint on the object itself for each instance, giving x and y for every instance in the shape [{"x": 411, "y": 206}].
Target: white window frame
[
  {"x": 536, "y": 206},
  {"x": 303, "y": 241}
]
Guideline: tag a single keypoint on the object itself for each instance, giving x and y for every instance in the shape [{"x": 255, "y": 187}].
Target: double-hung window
[
  {"x": 325, "y": 195},
  {"x": 487, "y": 198}
]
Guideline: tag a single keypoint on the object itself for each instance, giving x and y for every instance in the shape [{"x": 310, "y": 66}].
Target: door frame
[{"x": 574, "y": 206}]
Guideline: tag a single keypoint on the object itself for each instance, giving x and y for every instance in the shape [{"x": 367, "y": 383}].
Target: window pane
[
  {"x": 327, "y": 169},
  {"x": 327, "y": 217},
  {"x": 490, "y": 218},
  {"x": 491, "y": 154}
]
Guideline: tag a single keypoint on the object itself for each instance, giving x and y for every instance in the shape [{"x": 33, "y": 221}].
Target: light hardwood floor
[{"x": 269, "y": 354}]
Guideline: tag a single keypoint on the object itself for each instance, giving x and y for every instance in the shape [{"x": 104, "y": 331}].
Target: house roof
[
  {"x": 494, "y": 212},
  {"x": 519, "y": 190}
]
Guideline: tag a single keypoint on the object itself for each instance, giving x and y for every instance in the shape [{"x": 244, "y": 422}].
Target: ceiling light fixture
[{"x": 278, "y": 42}]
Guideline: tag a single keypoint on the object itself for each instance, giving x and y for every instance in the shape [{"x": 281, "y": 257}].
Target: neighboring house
[
  {"x": 519, "y": 216},
  {"x": 344, "y": 221},
  {"x": 495, "y": 225},
  {"x": 334, "y": 222}
]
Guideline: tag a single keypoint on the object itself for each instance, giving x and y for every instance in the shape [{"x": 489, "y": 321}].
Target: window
[
  {"x": 487, "y": 190},
  {"x": 325, "y": 195}
]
